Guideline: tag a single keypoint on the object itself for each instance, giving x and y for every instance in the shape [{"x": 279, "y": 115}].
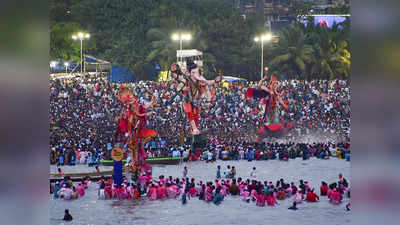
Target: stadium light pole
[
  {"x": 66, "y": 64},
  {"x": 181, "y": 37},
  {"x": 81, "y": 36},
  {"x": 261, "y": 39}
]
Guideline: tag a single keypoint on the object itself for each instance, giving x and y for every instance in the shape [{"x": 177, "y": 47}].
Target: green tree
[
  {"x": 292, "y": 52},
  {"x": 136, "y": 34},
  {"x": 220, "y": 32},
  {"x": 61, "y": 44},
  {"x": 119, "y": 30},
  {"x": 331, "y": 57}
]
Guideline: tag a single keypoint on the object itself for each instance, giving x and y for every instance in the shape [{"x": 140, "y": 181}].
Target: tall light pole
[
  {"x": 261, "y": 39},
  {"x": 81, "y": 36},
  {"x": 66, "y": 64},
  {"x": 181, "y": 37}
]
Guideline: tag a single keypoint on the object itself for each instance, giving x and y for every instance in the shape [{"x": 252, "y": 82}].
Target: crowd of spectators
[
  {"x": 83, "y": 115},
  {"x": 258, "y": 151}
]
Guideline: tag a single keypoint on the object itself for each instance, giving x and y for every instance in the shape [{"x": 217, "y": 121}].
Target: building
[{"x": 279, "y": 13}]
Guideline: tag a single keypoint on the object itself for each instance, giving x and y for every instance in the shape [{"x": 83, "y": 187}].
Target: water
[{"x": 90, "y": 210}]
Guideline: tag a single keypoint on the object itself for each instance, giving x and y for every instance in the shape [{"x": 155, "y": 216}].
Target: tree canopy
[{"x": 136, "y": 34}]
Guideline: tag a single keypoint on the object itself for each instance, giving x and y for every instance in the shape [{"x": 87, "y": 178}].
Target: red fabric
[
  {"x": 324, "y": 190},
  {"x": 122, "y": 126},
  {"x": 281, "y": 195},
  {"x": 194, "y": 116},
  {"x": 311, "y": 197},
  {"x": 144, "y": 133},
  {"x": 198, "y": 154},
  {"x": 275, "y": 127},
  {"x": 273, "y": 79},
  {"x": 250, "y": 93},
  {"x": 261, "y": 130},
  {"x": 258, "y": 155},
  {"x": 271, "y": 201}
]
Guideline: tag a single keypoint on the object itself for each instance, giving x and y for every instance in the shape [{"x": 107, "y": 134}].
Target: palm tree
[
  {"x": 293, "y": 54},
  {"x": 331, "y": 57},
  {"x": 163, "y": 49}
]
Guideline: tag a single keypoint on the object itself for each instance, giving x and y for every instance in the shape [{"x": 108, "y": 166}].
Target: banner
[{"x": 118, "y": 173}]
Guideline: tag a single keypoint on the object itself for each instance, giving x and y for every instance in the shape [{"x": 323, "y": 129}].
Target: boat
[
  {"x": 153, "y": 161},
  {"x": 79, "y": 176},
  {"x": 164, "y": 161}
]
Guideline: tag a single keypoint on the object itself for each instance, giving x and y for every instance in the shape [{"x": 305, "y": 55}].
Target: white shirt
[{"x": 209, "y": 155}]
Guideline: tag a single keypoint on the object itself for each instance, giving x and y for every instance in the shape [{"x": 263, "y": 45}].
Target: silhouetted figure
[
  {"x": 67, "y": 216},
  {"x": 293, "y": 207}
]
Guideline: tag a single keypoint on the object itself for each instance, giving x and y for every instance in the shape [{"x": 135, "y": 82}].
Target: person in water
[
  {"x": 324, "y": 189},
  {"x": 234, "y": 189},
  {"x": 185, "y": 172},
  {"x": 348, "y": 206},
  {"x": 227, "y": 172},
  {"x": 293, "y": 207},
  {"x": 233, "y": 172},
  {"x": 311, "y": 196},
  {"x": 67, "y": 216},
  {"x": 56, "y": 189},
  {"x": 218, "y": 197},
  {"x": 218, "y": 172},
  {"x": 184, "y": 196},
  {"x": 253, "y": 173}
]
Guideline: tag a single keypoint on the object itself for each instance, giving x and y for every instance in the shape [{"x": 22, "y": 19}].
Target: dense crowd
[
  {"x": 257, "y": 151},
  {"x": 83, "y": 115}
]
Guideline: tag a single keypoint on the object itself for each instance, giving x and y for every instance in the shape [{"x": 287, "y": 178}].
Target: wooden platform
[
  {"x": 79, "y": 176},
  {"x": 108, "y": 173},
  {"x": 153, "y": 161}
]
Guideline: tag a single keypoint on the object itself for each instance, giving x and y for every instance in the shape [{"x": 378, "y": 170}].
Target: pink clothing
[
  {"x": 143, "y": 180},
  {"x": 330, "y": 192},
  {"x": 336, "y": 197},
  {"x": 288, "y": 191},
  {"x": 78, "y": 156},
  {"x": 307, "y": 187},
  {"x": 245, "y": 195},
  {"x": 129, "y": 193},
  {"x": 253, "y": 194},
  {"x": 298, "y": 198},
  {"x": 173, "y": 191},
  {"x": 161, "y": 192},
  {"x": 209, "y": 197},
  {"x": 241, "y": 188},
  {"x": 162, "y": 181},
  {"x": 192, "y": 192},
  {"x": 152, "y": 193},
  {"x": 113, "y": 191},
  {"x": 81, "y": 190},
  {"x": 225, "y": 188}
]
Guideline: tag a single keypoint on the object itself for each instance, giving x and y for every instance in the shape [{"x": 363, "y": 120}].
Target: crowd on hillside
[{"x": 83, "y": 115}]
